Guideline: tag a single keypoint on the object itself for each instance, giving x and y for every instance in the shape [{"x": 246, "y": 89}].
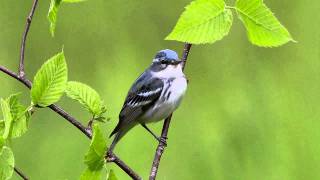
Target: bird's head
[{"x": 165, "y": 59}]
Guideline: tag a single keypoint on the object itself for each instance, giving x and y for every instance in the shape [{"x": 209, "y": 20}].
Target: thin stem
[
  {"x": 20, "y": 173},
  {"x": 74, "y": 122},
  {"x": 24, "y": 38},
  {"x": 165, "y": 128}
]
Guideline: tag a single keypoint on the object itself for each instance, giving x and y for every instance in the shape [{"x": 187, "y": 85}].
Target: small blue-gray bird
[{"x": 156, "y": 93}]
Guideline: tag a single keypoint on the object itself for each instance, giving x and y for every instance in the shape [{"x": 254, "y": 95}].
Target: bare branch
[
  {"x": 74, "y": 122},
  {"x": 20, "y": 173},
  {"x": 113, "y": 158},
  {"x": 24, "y": 38},
  {"x": 165, "y": 128}
]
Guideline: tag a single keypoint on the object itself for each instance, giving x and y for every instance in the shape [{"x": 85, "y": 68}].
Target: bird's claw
[{"x": 163, "y": 140}]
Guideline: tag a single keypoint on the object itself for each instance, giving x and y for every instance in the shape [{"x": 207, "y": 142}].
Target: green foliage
[
  {"x": 2, "y": 126},
  {"x": 50, "y": 81},
  {"x": 7, "y": 117},
  {"x": 203, "y": 21},
  {"x": 94, "y": 159},
  {"x": 206, "y": 21},
  {"x": 90, "y": 175},
  {"x": 111, "y": 175},
  {"x": 2, "y": 142},
  {"x": 52, "y": 15},
  {"x": 87, "y": 96},
  {"x": 6, "y": 163},
  {"x": 20, "y": 116},
  {"x": 262, "y": 26}
]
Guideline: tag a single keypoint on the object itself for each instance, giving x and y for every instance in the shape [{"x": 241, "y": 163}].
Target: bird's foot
[{"x": 162, "y": 140}]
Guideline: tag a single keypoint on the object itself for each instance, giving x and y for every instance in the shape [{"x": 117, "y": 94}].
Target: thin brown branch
[
  {"x": 20, "y": 173},
  {"x": 113, "y": 158},
  {"x": 165, "y": 128},
  {"x": 24, "y": 38},
  {"x": 74, "y": 122}
]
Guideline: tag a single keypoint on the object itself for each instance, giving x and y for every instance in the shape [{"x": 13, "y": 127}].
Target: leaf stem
[{"x": 230, "y": 7}]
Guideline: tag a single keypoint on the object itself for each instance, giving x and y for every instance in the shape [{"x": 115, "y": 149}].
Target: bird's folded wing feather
[{"x": 142, "y": 95}]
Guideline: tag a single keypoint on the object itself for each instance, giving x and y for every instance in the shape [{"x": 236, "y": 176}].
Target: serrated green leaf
[
  {"x": 6, "y": 163},
  {"x": 94, "y": 158},
  {"x": 52, "y": 15},
  {"x": 73, "y": 1},
  {"x": 6, "y": 117},
  {"x": 20, "y": 117},
  {"x": 2, "y": 142},
  {"x": 263, "y": 28},
  {"x": 91, "y": 175},
  {"x": 203, "y": 21},
  {"x": 86, "y": 96},
  {"x": 2, "y": 126},
  {"x": 111, "y": 175},
  {"x": 50, "y": 81}
]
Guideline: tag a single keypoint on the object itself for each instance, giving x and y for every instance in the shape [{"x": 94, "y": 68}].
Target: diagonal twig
[
  {"x": 20, "y": 173},
  {"x": 24, "y": 38},
  {"x": 165, "y": 128}
]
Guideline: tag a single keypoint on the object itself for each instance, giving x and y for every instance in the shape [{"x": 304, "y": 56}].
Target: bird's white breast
[{"x": 173, "y": 91}]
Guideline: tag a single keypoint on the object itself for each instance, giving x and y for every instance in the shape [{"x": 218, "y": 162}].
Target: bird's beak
[{"x": 176, "y": 62}]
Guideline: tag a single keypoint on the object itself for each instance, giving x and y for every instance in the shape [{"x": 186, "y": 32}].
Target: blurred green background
[{"x": 249, "y": 112}]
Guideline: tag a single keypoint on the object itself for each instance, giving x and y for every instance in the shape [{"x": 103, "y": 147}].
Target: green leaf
[
  {"x": 52, "y": 15},
  {"x": 94, "y": 159},
  {"x": 86, "y": 96},
  {"x": 263, "y": 28},
  {"x": 203, "y": 21},
  {"x": 72, "y": 1},
  {"x": 20, "y": 116},
  {"x": 7, "y": 118},
  {"x": 2, "y": 142},
  {"x": 2, "y": 127},
  {"x": 50, "y": 81},
  {"x": 111, "y": 175},
  {"x": 91, "y": 175},
  {"x": 95, "y": 156},
  {"x": 6, "y": 163}
]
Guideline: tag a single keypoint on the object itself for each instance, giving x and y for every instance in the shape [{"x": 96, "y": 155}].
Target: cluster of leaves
[
  {"x": 14, "y": 124},
  {"x": 207, "y": 21},
  {"x": 49, "y": 85}
]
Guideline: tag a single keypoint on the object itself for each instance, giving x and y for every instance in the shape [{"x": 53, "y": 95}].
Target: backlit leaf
[
  {"x": 6, "y": 163},
  {"x": 203, "y": 21},
  {"x": 263, "y": 28},
  {"x": 50, "y": 81}
]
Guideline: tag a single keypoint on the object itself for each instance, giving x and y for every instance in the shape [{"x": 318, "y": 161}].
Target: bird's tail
[{"x": 119, "y": 132}]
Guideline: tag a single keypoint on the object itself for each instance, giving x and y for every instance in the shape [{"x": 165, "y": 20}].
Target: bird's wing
[{"x": 143, "y": 94}]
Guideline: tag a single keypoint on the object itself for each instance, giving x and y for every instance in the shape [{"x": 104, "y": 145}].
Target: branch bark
[
  {"x": 24, "y": 38},
  {"x": 165, "y": 128}
]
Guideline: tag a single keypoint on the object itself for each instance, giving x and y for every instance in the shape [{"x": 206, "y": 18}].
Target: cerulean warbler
[{"x": 156, "y": 93}]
